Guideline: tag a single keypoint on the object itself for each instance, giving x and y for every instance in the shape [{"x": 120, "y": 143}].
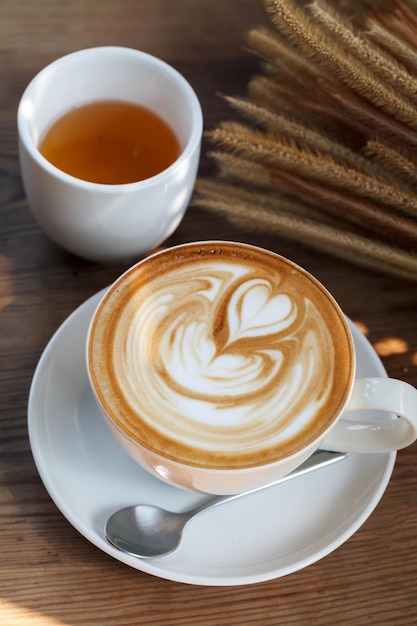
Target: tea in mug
[{"x": 110, "y": 142}]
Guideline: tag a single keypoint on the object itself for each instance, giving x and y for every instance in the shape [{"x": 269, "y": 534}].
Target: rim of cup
[
  {"x": 25, "y": 109},
  {"x": 213, "y": 470}
]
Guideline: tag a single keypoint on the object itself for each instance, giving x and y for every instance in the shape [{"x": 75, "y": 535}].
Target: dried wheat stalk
[
  {"x": 330, "y": 143},
  {"x": 263, "y": 212}
]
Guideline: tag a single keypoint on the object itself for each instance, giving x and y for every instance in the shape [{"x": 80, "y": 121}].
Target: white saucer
[{"x": 265, "y": 536}]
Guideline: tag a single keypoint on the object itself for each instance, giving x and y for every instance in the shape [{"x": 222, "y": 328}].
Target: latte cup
[
  {"x": 108, "y": 222},
  {"x": 221, "y": 367}
]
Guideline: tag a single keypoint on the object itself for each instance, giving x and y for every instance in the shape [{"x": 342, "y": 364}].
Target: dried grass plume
[{"x": 326, "y": 151}]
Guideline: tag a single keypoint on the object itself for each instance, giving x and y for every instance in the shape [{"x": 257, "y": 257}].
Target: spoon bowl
[{"x": 145, "y": 530}]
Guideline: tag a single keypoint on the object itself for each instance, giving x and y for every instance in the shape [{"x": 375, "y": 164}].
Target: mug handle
[{"x": 387, "y": 435}]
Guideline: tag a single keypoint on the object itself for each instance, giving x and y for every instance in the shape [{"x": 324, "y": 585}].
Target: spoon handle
[{"x": 320, "y": 458}]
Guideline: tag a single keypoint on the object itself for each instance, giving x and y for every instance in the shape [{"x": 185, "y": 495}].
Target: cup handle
[{"x": 386, "y": 435}]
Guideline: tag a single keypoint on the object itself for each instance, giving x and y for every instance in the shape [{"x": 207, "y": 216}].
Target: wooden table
[{"x": 50, "y": 574}]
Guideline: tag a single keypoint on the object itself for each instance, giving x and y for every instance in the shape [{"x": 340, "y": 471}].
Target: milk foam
[{"x": 220, "y": 359}]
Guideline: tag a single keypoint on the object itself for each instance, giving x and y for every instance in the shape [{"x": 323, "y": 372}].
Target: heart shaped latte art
[
  {"x": 221, "y": 355},
  {"x": 254, "y": 311}
]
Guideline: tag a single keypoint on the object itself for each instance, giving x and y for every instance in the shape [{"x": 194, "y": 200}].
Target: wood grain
[{"x": 49, "y": 574}]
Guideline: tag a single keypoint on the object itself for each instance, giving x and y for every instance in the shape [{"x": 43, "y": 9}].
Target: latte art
[{"x": 220, "y": 357}]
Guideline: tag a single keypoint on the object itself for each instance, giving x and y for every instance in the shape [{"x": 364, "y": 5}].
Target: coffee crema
[{"x": 220, "y": 355}]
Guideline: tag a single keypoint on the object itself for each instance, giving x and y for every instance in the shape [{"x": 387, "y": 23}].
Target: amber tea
[{"x": 110, "y": 142}]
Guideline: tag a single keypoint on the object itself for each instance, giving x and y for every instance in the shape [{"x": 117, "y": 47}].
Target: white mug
[
  {"x": 214, "y": 342},
  {"x": 108, "y": 222}
]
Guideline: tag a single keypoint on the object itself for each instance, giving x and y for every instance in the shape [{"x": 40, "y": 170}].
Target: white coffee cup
[
  {"x": 220, "y": 367},
  {"x": 105, "y": 222}
]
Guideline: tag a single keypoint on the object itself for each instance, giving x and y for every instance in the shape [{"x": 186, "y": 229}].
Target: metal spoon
[{"x": 147, "y": 531}]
